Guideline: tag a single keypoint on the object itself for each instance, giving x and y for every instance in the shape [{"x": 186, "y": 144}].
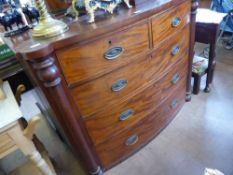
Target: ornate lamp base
[{"x": 49, "y": 28}]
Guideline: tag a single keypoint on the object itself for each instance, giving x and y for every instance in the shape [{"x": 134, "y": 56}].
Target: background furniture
[
  {"x": 115, "y": 84},
  {"x": 12, "y": 135},
  {"x": 10, "y": 68},
  {"x": 207, "y": 30},
  {"x": 8, "y": 64}
]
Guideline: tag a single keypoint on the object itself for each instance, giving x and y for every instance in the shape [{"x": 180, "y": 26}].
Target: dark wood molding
[
  {"x": 54, "y": 88},
  {"x": 47, "y": 72},
  {"x": 191, "y": 48}
]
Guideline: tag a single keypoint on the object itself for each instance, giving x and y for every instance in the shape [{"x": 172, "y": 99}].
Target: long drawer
[
  {"x": 116, "y": 118},
  {"x": 93, "y": 59},
  {"x": 118, "y": 85},
  {"x": 119, "y": 147},
  {"x": 172, "y": 21}
]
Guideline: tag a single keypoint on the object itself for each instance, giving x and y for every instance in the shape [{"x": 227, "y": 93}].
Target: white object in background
[
  {"x": 209, "y": 171},
  {"x": 14, "y": 137},
  {"x": 9, "y": 109}
]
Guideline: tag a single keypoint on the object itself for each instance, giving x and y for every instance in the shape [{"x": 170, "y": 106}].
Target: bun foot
[{"x": 188, "y": 97}]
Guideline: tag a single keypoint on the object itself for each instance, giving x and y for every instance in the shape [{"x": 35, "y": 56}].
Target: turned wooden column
[
  {"x": 191, "y": 47},
  {"x": 53, "y": 85}
]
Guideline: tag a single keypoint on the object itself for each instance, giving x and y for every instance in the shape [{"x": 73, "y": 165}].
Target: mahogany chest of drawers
[{"x": 114, "y": 85}]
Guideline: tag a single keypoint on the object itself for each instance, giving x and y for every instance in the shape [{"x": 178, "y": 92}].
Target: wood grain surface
[
  {"x": 115, "y": 149},
  {"x": 6, "y": 144},
  {"x": 87, "y": 61},
  {"x": 162, "y": 24},
  {"x": 106, "y": 123},
  {"x": 96, "y": 94}
]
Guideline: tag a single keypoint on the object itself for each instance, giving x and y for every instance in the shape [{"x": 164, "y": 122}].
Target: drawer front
[
  {"x": 112, "y": 88},
  {"x": 6, "y": 143},
  {"x": 172, "y": 49},
  {"x": 101, "y": 56},
  {"x": 169, "y": 22},
  {"x": 100, "y": 93},
  {"x": 177, "y": 75},
  {"x": 118, "y": 117},
  {"x": 119, "y": 147}
]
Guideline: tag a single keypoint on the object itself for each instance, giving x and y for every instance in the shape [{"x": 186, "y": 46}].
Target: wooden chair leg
[
  {"x": 39, "y": 146},
  {"x": 211, "y": 66},
  {"x": 196, "y": 85},
  {"x": 2, "y": 94},
  {"x": 20, "y": 89},
  {"x": 208, "y": 78},
  {"x": 37, "y": 143},
  {"x": 23, "y": 141}
]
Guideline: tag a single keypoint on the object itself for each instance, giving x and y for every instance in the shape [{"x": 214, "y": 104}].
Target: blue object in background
[{"x": 224, "y": 6}]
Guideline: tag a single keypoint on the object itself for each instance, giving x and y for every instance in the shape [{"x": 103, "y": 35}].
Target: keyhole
[{"x": 110, "y": 42}]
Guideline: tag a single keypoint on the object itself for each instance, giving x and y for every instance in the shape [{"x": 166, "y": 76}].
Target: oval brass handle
[
  {"x": 131, "y": 140},
  {"x": 175, "y": 78},
  {"x": 119, "y": 85},
  {"x": 174, "y": 104},
  {"x": 176, "y": 21},
  {"x": 127, "y": 114},
  {"x": 175, "y": 50},
  {"x": 113, "y": 53}
]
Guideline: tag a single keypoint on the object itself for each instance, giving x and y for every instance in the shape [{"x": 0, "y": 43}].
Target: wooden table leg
[
  {"x": 210, "y": 70},
  {"x": 40, "y": 162},
  {"x": 196, "y": 85},
  {"x": 23, "y": 140}
]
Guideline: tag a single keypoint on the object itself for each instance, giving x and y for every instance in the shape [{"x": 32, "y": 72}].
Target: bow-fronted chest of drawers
[{"x": 115, "y": 84}]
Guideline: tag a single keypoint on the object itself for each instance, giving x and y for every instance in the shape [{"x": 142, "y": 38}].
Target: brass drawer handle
[
  {"x": 127, "y": 114},
  {"x": 119, "y": 85},
  {"x": 131, "y": 140},
  {"x": 174, "y": 104},
  {"x": 176, "y": 21},
  {"x": 113, "y": 53},
  {"x": 175, "y": 50},
  {"x": 175, "y": 78}
]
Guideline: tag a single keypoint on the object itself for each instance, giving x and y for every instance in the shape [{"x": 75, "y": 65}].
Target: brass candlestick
[{"x": 47, "y": 27}]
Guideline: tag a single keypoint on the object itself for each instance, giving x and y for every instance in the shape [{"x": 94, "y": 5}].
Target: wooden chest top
[{"x": 28, "y": 48}]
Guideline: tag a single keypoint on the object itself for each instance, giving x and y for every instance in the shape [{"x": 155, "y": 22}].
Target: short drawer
[
  {"x": 94, "y": 95},
  {"x": 116, "y": 118},
  {"x": 169, "y": 22},
  {"x": 176, "y": 76},
  {"x": 121, "y": 146},
  {"x": 172, "y": 49},
  {"x": 88, "y": 61}
]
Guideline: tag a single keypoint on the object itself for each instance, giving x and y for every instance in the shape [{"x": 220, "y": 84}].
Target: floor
[{"x": 200, "y": 136}]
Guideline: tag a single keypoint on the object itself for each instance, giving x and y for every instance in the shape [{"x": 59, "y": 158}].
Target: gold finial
[{"x": 47, "y": 27}]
